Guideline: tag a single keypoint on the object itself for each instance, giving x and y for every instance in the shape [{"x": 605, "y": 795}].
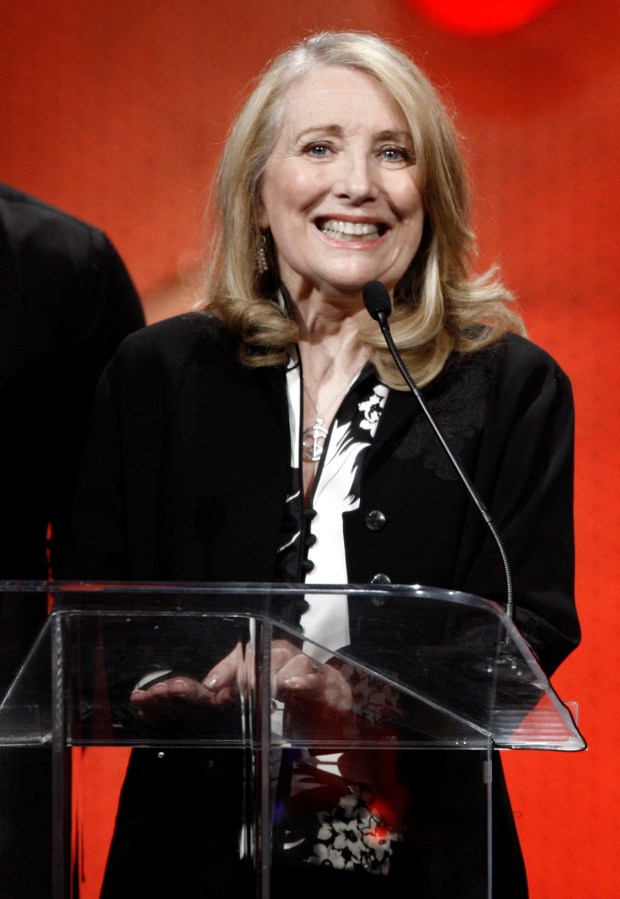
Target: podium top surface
[{"x": 426, "y": 668}]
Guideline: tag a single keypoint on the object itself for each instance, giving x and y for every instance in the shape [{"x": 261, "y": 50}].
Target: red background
[{"x": 116, "y": 111}]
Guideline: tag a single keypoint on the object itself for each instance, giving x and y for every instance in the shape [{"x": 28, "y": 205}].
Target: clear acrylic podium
[{"x": 443, "y": 671}]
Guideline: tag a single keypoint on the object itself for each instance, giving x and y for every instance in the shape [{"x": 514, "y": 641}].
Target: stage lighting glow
[{"x": 481, "y": 17}]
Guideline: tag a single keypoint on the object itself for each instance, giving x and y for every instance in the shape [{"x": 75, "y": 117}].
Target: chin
[
  {"x": 353, "y": 283},
  {"x": 358, "y": 285}
]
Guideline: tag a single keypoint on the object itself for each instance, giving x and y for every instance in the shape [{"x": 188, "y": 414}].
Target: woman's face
[{"x": 340, "y": 191}]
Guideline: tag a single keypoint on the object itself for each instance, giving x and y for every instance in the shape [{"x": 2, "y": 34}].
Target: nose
[{"x": 356, "y": 179}]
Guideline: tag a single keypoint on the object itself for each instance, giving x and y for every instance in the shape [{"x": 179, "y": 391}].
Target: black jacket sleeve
[{"x": 525, "y": 474}]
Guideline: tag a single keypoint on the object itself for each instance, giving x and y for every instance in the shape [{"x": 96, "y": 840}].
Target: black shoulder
[
  {"x": 178, "y": 341},
  {"x": 513, "y": 358},
  {"x": 521, "y": 350},
  {"x": 64, "y": 263},
  {"x": 523, "y": 363},
  {"x": 26, "y": 220},
  {"x": 526, "y": 384}
]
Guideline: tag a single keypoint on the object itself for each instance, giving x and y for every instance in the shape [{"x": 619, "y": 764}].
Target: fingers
[
  {"x": 283, "y": 652},
  {"x": 224, "y": 676},
  {"x": 181, "y": 688},
  {"x": 300, "y": 672},
  {"x": 178, "y": 699},
  {"x": 304, "y": 675}
]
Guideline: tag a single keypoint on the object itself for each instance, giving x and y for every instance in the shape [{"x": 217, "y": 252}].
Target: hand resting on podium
[{"x": 293, "y": 674}]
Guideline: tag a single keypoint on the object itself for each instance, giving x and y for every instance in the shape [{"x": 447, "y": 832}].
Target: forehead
[{"x": 338, "y": 94}]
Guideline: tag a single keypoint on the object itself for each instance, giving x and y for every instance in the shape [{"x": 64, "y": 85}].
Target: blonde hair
[{"x": 438, "y": 307}]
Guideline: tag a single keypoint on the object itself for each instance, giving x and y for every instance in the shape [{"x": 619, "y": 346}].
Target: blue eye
[
  {"x": 395, "y": 154},
  {"x": 319, "y": 150}
]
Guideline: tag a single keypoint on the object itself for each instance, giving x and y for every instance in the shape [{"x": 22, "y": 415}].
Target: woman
[{"x": 270, "y": 437}]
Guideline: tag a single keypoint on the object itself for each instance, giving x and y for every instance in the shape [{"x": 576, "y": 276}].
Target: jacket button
[
  {"x": 375, "y": 520},
  {"x": 380, "y": 579}
]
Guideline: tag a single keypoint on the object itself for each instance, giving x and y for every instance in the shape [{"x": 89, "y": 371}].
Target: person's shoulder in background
[
  {"x": 64, "y": 271},
  {"x": 66, "y": 302}
]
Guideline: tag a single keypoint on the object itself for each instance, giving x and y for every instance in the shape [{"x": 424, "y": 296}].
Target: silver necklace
[{"x": 314, "y": 437}]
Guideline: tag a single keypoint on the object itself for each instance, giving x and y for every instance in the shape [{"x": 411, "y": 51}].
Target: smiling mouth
[{"x": 351, "y": 230}]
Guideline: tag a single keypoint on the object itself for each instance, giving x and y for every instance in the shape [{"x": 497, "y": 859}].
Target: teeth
[{"x": 350, "y": 229}]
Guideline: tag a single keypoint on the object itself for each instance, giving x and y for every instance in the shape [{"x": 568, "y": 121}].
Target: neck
[
  {"x": 329, "y": 342},
  {"x": 319, "y": 310}
]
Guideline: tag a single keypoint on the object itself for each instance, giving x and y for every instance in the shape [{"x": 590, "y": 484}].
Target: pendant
[{"x": 314, "y": 441}]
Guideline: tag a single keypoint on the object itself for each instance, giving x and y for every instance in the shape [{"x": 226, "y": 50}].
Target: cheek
[
  {"x": 276, "y": 200},
  {"x": 405, "y": 197},
  {"x": 299, "y": 188},
  {"x": 411, "y": 203}
]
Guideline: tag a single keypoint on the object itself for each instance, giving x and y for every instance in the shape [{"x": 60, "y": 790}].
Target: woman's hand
[
  {"x": 185, "y": 698},
  {"x": 293, "y": 673},
  {"x": 174, "y": 691},
  {"x": 180, "y": 700},
  {"x": 296, "y": 678}
]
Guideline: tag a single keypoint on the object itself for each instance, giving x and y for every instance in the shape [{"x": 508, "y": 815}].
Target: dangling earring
[{"x": 263, "y": 265}]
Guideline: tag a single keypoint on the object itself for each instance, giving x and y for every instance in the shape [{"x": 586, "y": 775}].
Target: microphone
[{"x": 379, "y": 306}]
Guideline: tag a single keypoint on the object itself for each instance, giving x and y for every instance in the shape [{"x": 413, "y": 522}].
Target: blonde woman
[{"x": 269, "y": 437}]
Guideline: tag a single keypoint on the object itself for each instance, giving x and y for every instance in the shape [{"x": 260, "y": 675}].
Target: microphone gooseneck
[{"x": 379, "y": 306}]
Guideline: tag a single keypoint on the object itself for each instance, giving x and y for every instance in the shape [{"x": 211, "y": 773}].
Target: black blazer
[
  {"x": 187, "y": 468},
  {"x": 185, "y": 478}
]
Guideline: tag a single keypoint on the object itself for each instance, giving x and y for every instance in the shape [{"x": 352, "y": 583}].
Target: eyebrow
[{"x": 336, "y": 130}]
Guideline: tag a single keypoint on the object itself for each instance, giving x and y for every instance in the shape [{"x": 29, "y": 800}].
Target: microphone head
[{"x": 377, "y": 300}]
